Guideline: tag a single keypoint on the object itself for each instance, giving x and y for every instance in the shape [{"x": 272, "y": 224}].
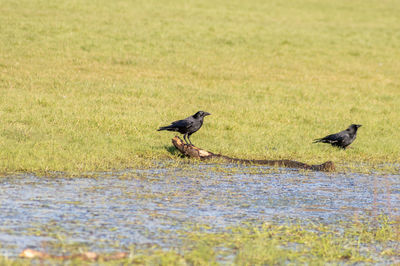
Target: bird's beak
[
  {"x": 205, "y": 114},
  {"x": 359, "y": 125}
]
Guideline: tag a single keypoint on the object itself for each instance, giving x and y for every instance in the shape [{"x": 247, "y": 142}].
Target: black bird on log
[
  {"x": 188, "y": 125},
  {"x": 341, "y": 139}
]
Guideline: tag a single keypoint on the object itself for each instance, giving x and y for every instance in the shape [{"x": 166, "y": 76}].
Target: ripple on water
[{"x": 143, "y": 206}]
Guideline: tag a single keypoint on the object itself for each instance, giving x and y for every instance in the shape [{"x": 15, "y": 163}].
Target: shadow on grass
[{"x": 173, "y": 151}]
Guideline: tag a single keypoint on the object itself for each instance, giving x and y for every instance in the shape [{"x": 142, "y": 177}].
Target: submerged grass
[
  {"x": 85, "y": 84},
  {"x": 271, "y": 244}
]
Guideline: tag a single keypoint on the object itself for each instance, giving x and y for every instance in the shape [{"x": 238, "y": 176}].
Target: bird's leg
[
  {"x": 184, "y": 137},
  {"x": 190, "y": 140}
]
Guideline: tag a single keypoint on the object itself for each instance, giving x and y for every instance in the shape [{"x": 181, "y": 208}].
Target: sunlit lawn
[{"x": 85, "y": 84}]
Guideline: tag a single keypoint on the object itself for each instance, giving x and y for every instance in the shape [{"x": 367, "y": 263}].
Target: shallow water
[{"x": 139, "y": 207}]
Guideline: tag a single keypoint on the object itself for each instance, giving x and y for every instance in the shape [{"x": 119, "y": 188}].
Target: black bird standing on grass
[
  {"x": 341, "y": 139},
  {"x": 188, "y": 125}
]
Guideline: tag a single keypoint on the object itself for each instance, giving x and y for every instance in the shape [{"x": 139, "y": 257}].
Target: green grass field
[{"x": 85, "y": 84}]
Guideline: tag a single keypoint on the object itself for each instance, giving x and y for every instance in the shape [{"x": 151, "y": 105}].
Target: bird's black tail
[
  {"x": 169, "y": 128},
  {"x": 324, "y": 140}
]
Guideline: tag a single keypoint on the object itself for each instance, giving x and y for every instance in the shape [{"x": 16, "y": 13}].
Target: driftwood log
[
  {"x": 195, "y": 152},
  {"x": 86, "y": 256}
]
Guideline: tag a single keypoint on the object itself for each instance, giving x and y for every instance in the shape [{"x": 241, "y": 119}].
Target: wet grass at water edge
[{"x": 268, "y": 243}]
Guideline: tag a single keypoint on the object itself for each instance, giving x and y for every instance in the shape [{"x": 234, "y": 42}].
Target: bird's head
[
  {"x": 200, "y": 114},
  {"x": 354, "y": 126}
]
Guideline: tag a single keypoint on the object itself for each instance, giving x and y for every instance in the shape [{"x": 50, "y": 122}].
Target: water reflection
[{"x": 143, "y": 206}]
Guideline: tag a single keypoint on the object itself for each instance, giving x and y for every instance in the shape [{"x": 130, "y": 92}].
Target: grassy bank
[
  {"x": 269, "y": 244},
  {"x": 84, "y": 84}
]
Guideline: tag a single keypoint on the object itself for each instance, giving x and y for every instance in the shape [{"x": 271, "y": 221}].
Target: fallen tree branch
[{"x": 195, "y": 152}]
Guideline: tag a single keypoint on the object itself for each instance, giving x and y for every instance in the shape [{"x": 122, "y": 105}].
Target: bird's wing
[
  {"x": 333, "y": 138},
  {"x": 184, "y": 123},
  {"x": 345, "y": 135}
]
